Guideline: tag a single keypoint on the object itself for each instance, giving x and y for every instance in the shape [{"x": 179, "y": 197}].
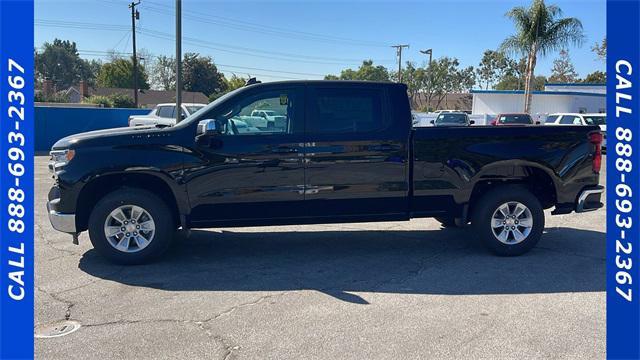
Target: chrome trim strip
[{"x": 583, "y": 197}]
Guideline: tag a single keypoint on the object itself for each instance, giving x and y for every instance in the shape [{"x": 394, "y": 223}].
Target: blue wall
[{"x": 54, "y": 123}]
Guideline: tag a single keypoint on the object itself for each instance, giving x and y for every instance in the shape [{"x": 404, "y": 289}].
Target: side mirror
[
  {"x": 433, "y": 122},
  {"x": 471, "y": 122},
  {"x": 183, "y": 116},
  {"x": 207, "y": 127},
  {"x": 494, "y": 122},
  {"x": 538, "y": 122}
]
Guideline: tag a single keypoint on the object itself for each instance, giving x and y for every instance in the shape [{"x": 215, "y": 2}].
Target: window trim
[
  {"x": 255, "y": 96},
  {"x": 311, "y": 113}
]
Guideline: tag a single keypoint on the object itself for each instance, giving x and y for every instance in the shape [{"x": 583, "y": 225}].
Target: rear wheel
[
  {"x": 509, "y": 220},
  {"x": 131, "y": 226}
]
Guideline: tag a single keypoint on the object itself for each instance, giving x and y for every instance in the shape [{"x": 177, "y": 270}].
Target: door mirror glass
[
  {"x": 207, "y": 127},
  {"x": 471, "y": 122}
]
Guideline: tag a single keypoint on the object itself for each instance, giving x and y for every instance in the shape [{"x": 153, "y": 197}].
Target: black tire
[
  {"x": 155, "y": 207},
  {"x": 447, "y": 222},
  {"x": 482, "y": 218}
]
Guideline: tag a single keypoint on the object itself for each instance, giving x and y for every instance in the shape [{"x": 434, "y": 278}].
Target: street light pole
[
  {"x": 178, "y": 61},
  {"x": 430, "y": 52}
]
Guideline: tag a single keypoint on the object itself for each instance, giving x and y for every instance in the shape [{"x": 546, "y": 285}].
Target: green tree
[
  {"x": 444, "y": 76},
  {"x": 596, "y": 77},
  {"x": 60, "y": 62},
  {"x": 119, "y": 74},
  {"x": 201, "y": 74},
  {"x": 563, "y": 70},
  {"x": 540, "y": 30},
  {"x": 235, "y": 82},
  {"x": 600, "y": 49},
  {"x": 491, "y": 68},
  {"x": 511, "y": 82},
  {"x": 416, "y": 80},
  {"x": 163, "y": 73},
  {"x": 367, "y": 71}
]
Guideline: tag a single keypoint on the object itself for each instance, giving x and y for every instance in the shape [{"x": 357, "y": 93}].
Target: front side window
[
  {"x": 347, "y": 111},
  {"x": 246, "y": 117},
  {"x": 166, "y": 111}
]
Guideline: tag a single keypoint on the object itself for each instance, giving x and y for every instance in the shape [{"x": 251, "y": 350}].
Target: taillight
[{"x": 596, "y": 139}]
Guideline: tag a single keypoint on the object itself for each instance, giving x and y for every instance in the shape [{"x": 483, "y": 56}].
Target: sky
[{"x": 306, "y": 39}]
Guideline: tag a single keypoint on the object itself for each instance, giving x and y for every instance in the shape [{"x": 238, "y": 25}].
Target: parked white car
[
  {"x": 164, "y": 114},
  {"x": 580, "y": 119},
  {"x": 273, "y": 119}
]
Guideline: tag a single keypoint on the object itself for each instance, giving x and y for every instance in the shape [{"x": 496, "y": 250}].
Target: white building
[{"x": 574, "y": 98}]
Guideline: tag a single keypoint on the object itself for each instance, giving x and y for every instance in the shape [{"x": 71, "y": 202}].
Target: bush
[
  {"x": 104, "y": 101},
  {"x": 122, "y": 101},
  {"x": 58, "y": 97},
  {"x": 113, "y": 100}
]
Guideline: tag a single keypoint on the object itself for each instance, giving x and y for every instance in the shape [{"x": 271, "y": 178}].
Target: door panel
[
  {"x": 248, "y": 172},
  {"x": 356, "y": 164}
]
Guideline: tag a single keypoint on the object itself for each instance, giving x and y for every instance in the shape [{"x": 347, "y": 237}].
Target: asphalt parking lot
[{"x": 401, "y": 290}]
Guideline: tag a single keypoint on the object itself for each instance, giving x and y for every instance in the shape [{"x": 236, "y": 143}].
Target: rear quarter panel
[{"x": 449, "y": 162}]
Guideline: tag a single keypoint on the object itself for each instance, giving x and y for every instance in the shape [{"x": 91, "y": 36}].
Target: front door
[{"x": 251, "y": 171}]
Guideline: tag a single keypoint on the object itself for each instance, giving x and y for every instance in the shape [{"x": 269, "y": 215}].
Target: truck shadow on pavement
[{"x": 343, "y": 263}]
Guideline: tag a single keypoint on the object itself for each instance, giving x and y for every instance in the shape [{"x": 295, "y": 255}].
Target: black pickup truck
[{"x": 340, "y": 152}]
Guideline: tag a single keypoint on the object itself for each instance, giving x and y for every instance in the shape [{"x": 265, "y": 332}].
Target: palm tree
[{"x": 540, "y": 30}]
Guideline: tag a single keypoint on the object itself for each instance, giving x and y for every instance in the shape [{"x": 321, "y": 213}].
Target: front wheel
[
  {"x": 131, "y": 226},
  {"x": 509, "y": 220}
]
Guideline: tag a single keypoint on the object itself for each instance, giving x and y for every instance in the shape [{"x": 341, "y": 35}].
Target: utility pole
[
  {"x": 135, "y": 15},
  {"x": 399, "y": 54},
  {"x": 178, "y": 61}
]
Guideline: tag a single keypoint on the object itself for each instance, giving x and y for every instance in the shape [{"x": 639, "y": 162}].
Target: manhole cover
[{"x": 60, "y": 328}]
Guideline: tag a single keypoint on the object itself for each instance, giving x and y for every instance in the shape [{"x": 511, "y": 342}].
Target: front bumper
[
  {"x": 589, "y": 199},
  {"x": 61, "y": 222}
]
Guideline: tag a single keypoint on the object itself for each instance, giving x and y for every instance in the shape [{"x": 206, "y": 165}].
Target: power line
[
  {"x": 259, "y": 28},
  {"x": 211, "y": 45}
]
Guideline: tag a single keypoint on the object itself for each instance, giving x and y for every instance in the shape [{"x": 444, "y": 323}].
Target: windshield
[
  {"x": 451, "y": 119},
  {"x": 595, "y": 120},
  {"x": 193, "y": 108},
  {"x": 515, "y": 119}
]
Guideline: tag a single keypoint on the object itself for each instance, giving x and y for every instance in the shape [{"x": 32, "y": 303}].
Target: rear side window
[
  {"x": 515, "y": 119},
  {"x": 166, "y": 111},
  {"x": 570, "y": 120},
  {"x": 551, "y": 119},
  {"x": 346, "y": 111}
]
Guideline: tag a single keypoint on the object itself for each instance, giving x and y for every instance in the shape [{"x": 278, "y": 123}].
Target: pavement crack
[
  {"x": 55, "y": 296},
  {"x": 247, "y": 304}
]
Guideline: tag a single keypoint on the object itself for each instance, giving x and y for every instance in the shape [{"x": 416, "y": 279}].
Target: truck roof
[{"x": 329, "y": 82}]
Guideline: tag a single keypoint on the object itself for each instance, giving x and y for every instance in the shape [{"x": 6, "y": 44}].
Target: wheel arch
[
  {"x": 98, "y": 187},
  {"x": 532, "y": 176}
]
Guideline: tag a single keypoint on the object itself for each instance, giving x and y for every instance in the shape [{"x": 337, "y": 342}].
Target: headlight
[{"x": 60, "y": 158}]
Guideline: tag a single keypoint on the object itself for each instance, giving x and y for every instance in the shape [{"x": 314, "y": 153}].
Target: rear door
[{"x": 355, "y": 154}]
